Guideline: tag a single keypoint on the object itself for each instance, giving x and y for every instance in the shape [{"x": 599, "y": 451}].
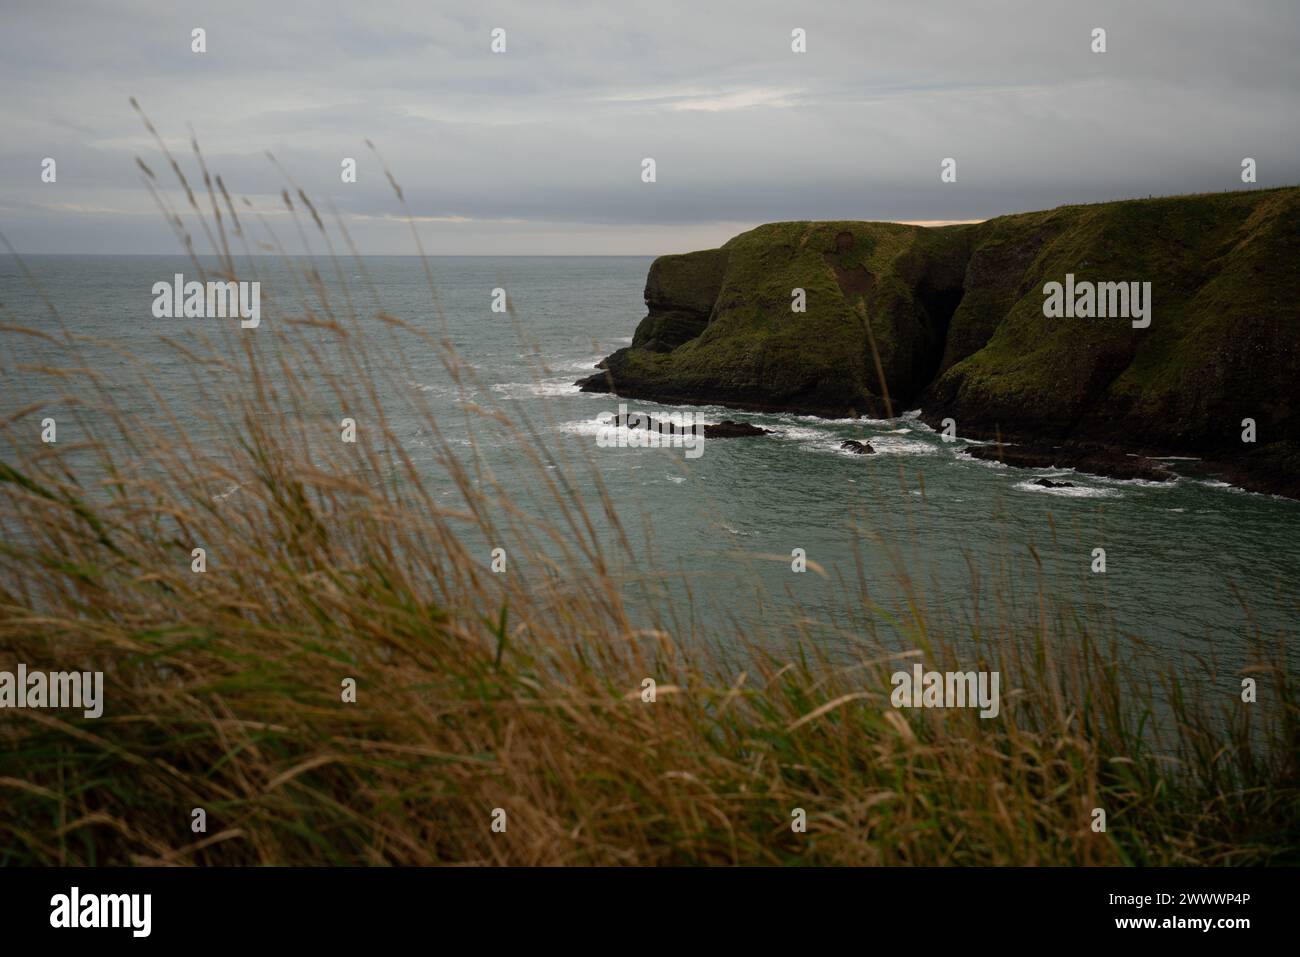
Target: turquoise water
[{"x": 1193, "y": 568}]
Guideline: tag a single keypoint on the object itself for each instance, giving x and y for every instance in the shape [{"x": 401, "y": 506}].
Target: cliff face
[
  {"x": 951, "y": 319},
  {"x": 680, "y": 292},
  {"x": 721, "y": 326}
]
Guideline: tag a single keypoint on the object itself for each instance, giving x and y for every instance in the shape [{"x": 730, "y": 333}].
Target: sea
[{"x": 1197, "y": 573}]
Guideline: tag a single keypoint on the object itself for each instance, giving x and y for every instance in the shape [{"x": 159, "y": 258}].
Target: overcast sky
[{"x": 538, "y": 150}]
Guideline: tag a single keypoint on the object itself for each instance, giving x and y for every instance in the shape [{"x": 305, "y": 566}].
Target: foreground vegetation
[{"x": 524, "y": 692}]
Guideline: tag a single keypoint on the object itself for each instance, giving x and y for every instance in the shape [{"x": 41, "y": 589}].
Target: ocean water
[{"x": 1194, "y": 569}]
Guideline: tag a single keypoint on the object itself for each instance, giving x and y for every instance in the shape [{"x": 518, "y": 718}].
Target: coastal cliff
[{"x": 951, "y": 319}]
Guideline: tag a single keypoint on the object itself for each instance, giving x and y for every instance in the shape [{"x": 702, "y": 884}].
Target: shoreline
[{"x": 1015, "y": 449}]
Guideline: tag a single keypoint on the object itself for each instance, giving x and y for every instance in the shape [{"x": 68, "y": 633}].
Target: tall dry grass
[{"x": 520, "y": 691}]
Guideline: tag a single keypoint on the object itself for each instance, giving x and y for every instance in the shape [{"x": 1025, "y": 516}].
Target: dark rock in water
[
  {"x": 723, "y": 430},
  {"x": 1095, "y": 461},
  {"x": 1048, "y": 483},
  {"x": 598, "y": 381},
  {"x": 726, "y": 429},
  {"x": 594, "y": 383},
  {"x": 1273, "y": 468},
  {"x": 639, "y": 420},
  {"x": 856, "y": 447}
]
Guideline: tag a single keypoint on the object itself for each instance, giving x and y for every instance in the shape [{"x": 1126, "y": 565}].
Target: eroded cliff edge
[{"x": 951, "y": 319}]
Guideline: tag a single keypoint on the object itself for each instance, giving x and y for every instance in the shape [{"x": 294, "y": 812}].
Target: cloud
[
  {"x": 712, "y": 101},
  {"x": 543, "y": 144}
]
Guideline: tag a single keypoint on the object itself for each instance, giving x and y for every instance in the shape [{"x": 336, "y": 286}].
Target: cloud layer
[{"x": 539, "y": 149}]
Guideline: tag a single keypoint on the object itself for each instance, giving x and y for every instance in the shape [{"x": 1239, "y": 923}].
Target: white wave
[
  {"x": 546, "y": 387},
  {"x": 801, "y": 434},
  {"x": 1135, "y": 482},
  {"x": 987, "y": 463},
  {"x": 1076, "y": 491},
  {"x": 1226, "y": 486},
  {"x": 621, "y": 436},
  {"x": 585, "y": 427},
  {"x": 796, "y": 417},
  {"x": 735, "y": 531},
  {"x": 818, "y": 420},
  {"x": 892, "y": 444},
  {"x": 559, "y": 362},
  {"x": 885, "y": 443}
]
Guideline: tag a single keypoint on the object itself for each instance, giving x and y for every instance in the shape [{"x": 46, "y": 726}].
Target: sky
[{"x": 538, "y": 150}]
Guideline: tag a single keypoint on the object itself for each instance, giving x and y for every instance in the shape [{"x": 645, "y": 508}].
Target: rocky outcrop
[
  {"x": 951, "y": 320},
  {"x": 726, "y": 429},
  {"x": 826, "y": 319},
  {"x": 680, "y": 292},
  {"x": 856, "y": 447},
  {"x": 1097, "y": 461}
]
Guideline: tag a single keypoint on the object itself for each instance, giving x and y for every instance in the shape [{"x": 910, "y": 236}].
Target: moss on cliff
[
  {"x": 952, "y": 318},
  {"x": 680, "y": 291},
  {"x": 861, "y": 282},
  {"x": 1223, "y": 343}
]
